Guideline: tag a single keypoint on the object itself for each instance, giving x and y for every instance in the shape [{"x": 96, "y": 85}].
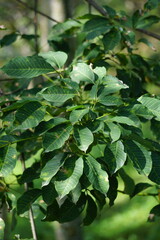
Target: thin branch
[
  {"x": 39, "y": 12},
  {"x": 31, "y": 216},
  {"x": 104, "y": 13}
]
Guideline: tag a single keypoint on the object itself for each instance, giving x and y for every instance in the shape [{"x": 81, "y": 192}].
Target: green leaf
[
  {"x": 112, "y": 192},
  {"x": 144, "y": 22},
  {"x": 91, "y": 211},
  {"x": 100, "y": 198},
  {"x": 115, "y": 156},
  {"x": 154, "y": 174},
  {"x": 111, "y": 39},
  {"x": 152, "y": 104},
  {"x": 26, "y": 199},
  {"x": 52, "y": 167},
  {"x": 154, "y": 213},
  {"x": 115, "y": 131},
  {"x": 140, "y": 187},
  {"x": 57, "y": 94},
  {"x": 2, "y": 226},
  {"x": 29, "y": 115},
  {"x": 52, "y": 212},
  {"x": 83, "y": 137},
  {"x": 64, "y": 187},
  {"x": 77, "y": 115},
  {"x": 96, "y": 175},
  {"x": 8, "y": 158},
  {"x": 142, "y": 111},
  {"x": 130, "y": 120},
  {"x": 49, "y": 193},
  {"x": 129, "y": 184},
  {"x": 27, "y": 67},
  {"x": 8, "y": 39},
  {"x": 140, "y": 157},
  {"x": 55, "y": 59},
  {"x": 82, "y": 72},
  {"x": 110, "y": 100},
  {"x": 56, "y": 138},
  {"x": 100, "y": 72}
]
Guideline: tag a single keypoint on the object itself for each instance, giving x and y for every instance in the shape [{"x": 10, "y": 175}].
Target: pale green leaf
[
  {"x": 27, "y": 67},
  {"x": 64, "y": 187},
  {"x": 29, "y": 115},
  {"x": 96, "y": 175},
  {"x": 2, "y": 226},
  {"x": 55, "y": 59},
  {"x": 82, "y": 72},
  {"x": 56, "y": 138},
  {"x": 57, "y": 94},
  {"x": 115, "y": 131},
  {"x": 83, "y": 137},
  {"x": 77, "y": 114},
  {"x": 115, "y": 156},
  {"x": 8, "y": 158}
]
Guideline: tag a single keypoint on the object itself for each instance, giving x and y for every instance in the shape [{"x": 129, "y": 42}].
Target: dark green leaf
[
  {"x": 91, "y": 211},
  {"x": 49, "y": 193},
  {"x": 140, "y": 187},
  {"x": 111, "y": 39},
  {"x": 112, "y": 192},
  {"x": 8, "y": 39},
  {"x": 154, "y": 174},
  {"x": 128, "y": 182},
  {"x": 154, "y": 213}
]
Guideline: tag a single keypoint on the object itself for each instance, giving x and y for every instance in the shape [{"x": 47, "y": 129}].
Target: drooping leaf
[
  {"x": 129, "y": 184},
  {"x": 77, "y": 114},
  {"x": 49, "y": 193},
  {"x": 154, "y": 174},
  {"x": 52, "y": 212},
  {"x": 56, "y": 138},
  {"x": 140, "y": 157},
  {"x": 115, "y": 156},
  {"x": 55, "y": 59},
  {"x": 111, "y": 39},
  {"x": 100, "y": 198},
  {"x": 139, "y": 187},
  {"x": 115, "y": 131},
  {"x": 76, "y": 193},
  {"x": 112, "y": 192},
  {"x": 96, "y": 175},
  {"x": 27, "y": 67},
  {"x": 8, "y": 158},
  {"x": 64, "y": 187},
  {"x": 83, "y": 137},
  {"x": 57, "y": 94},
  {"x": 26, "y": 199},
  {"x": 29, "y": 115},
  {"x": 91, "y": 211},
  {"x": 82, "y": 72},
  {"x": 52, "y": 167}
]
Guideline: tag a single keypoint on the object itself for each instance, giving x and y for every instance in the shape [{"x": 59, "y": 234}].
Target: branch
[
  {"x": 39, "y": 12},
  {"x": 104, "y": 13}
]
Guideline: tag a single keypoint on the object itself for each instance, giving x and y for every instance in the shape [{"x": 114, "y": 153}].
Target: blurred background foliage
[{"x": 127, "y": 219}]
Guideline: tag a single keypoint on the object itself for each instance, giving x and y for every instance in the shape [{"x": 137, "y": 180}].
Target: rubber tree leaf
[
  {"x": 115, "y": 131},
  {"x": 64, "y": 187},
  {"x": 115, "y": 156},
  {"x": 8, "y": 158},
  {"x": 154, "y": 174},
  {"x": 52, "y": 167},
  {"x": 111, "y": 39},
  {"x": 153, "y": 104},
  {"x": 29, "y": 115},
  {"x": 77, "y": 114},
  {"x": 91, "y": 211},
  {"x": 140, "y": 156},
  {"x": 82, "y": 72},
  {"x": 26, "y": 199},
  {"x": 57, "y": 94},
  {"x": 96, "y": 175},
  {"x": 27, "y": 67},
  {"x": 83, "y": 137},
  {"x": 56, "y": 138},
  {"x": 55, "y": 59}
]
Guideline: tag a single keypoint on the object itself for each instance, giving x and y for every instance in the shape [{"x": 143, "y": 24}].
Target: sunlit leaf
[{"x": 55, "y": 59}]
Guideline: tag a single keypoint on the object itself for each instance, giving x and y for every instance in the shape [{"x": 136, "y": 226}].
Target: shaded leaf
[
  {"x": 91, "y": 211},
  {"x": 154, "y": 174},
  {"x": 112, "y": 192},
  {"x": 129, "y": 184},
  {"x": 111, "y": 39},
  {"x": 140, "y": 187},
  {"x": 49, "y": 193}
]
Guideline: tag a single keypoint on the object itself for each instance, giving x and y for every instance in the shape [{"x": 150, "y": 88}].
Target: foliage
[{"x": 86, "y": 121}]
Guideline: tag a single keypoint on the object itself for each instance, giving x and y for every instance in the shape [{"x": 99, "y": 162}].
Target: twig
[
  {"x": 31, "y": 216},
  {"x": 36, "y": 26},
  {"x": 39, "y": 12},
  {"x": 104, "y": 13}
]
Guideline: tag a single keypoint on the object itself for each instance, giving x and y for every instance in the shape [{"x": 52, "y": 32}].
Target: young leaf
[
  {"x": 82, "y": 72},
  {"x": 8, "y": 158},
  {"x": 83, "y": 137},
  {"x": 29, "y": 115},
  {"x": 57, "y": 94},
  {"x": 115, "y": 156},
  {"x": 52, "y": 167},
  {"x": 55, "y": 59},
  {"x": 26, "y": 199},
  {"x": 64, "y": 187},
  {"x": 96, "y": 175},
  {"x": 56, "y": 138},
  {"x": 140, "y": 157},
  {"x": 27, "y": 67}
]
